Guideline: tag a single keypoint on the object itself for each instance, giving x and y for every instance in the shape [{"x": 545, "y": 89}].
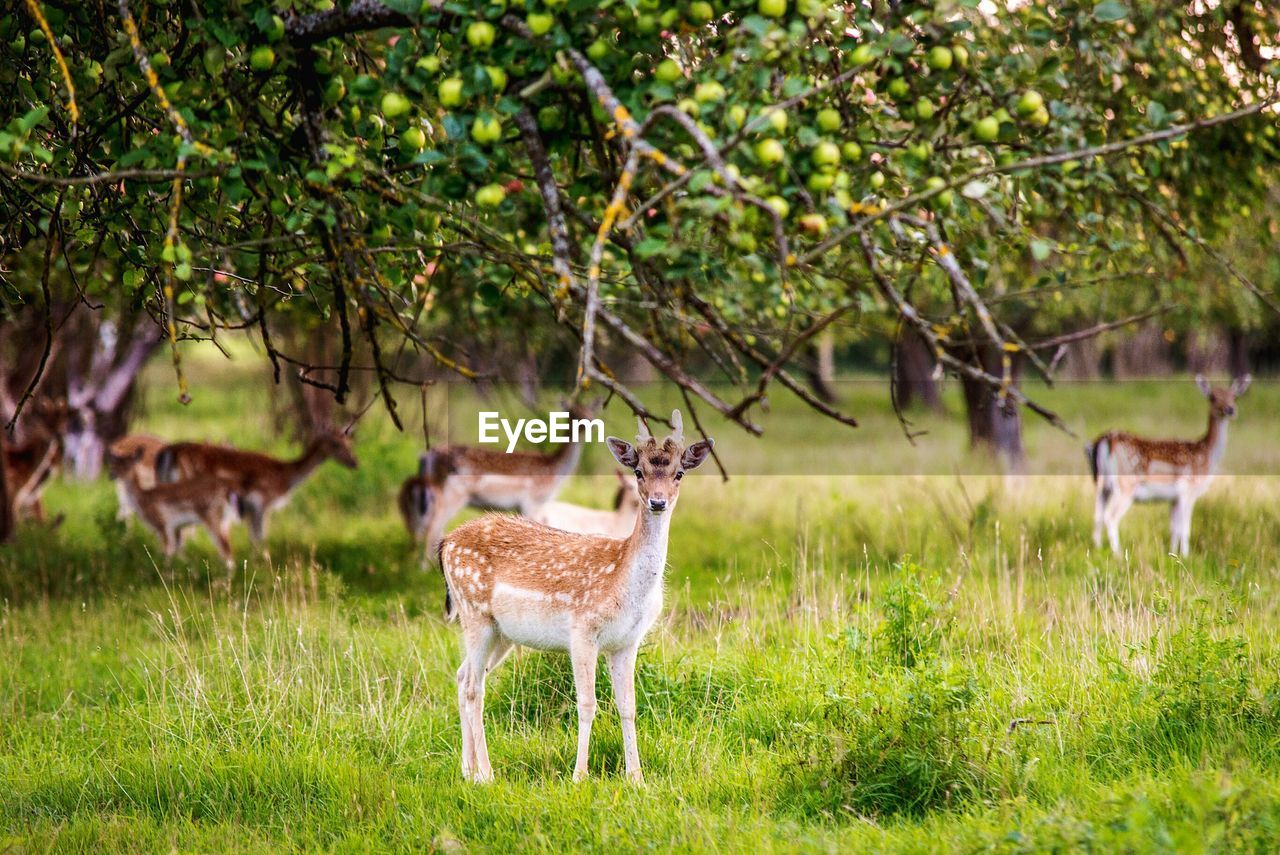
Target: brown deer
[
  {"x": 514, "y": 581},
  {"x": 30, "y": 465},
  {"x": 263, "y": 483},
  {"x": 143, "y": 451},
  {"x": 618, "y": 522},
  {"x": 169, "y": 509},
  {"x": 1128, "y": 469},
  {"x": 454, "y": 477}
]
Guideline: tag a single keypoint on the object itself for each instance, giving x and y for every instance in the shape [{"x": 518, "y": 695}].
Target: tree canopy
[{"x": 702, "y": 182}]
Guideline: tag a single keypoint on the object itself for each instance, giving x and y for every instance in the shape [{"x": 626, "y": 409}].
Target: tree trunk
[
  {"x": 102, "y": 371},
  {"x": 913, "y": 372},
  {"x": 995, "y": 426},
  {"x": 6, "y": 510},
  {"x": 1238, "y": 352},
  {"x": 821, "y": 366}
]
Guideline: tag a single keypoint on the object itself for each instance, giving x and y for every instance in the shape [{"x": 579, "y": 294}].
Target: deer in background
[
  {"x": 142, "y": 450},
  {"x": 1128, "y": 469},
  {"x": 169, "y": 509},
  {"x": 618, "y": 522},
  {"x": 29, "y": 465},
  {"x": 263, "y": 483},
  {"x": 514, "y": 581},
  {"x": 454, "y": 477}
]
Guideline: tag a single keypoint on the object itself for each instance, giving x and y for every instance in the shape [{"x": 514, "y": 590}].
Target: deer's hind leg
[
  {"x": 584, "y": 651},
  {"x": 480, "y": 637},
  {"x": 1119, "y": 504}
]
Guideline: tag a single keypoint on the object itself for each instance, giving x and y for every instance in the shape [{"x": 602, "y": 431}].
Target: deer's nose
[{"x": 657, "y": 505}]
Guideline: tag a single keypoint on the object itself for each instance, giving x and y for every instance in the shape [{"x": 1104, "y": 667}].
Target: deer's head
[
  {"x": 337, "y": 446},
  {"x": 1222, "y": 401},
  {"x": 659, "y": 467}
]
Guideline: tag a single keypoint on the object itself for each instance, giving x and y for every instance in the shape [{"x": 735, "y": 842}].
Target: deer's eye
[
  {"x": 679, "y": 474},
  {"x": 639, "y": 475}
]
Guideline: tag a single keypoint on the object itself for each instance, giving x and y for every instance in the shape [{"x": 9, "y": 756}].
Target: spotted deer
[
  {"x": 263, "y": 483},
  {"x": 143, "y": 451},
  {"x": 618, "y": 522},
  {"x": 514, "y": 581},
  {"x": 1128, "y": 469},
  {"x": 30, "y": 464},
  {"x": 169, "y": 509},
  {"x": 454, "y": 477}
]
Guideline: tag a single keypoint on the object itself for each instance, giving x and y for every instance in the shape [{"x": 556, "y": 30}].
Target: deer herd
[{"x": 556, "y": 576}]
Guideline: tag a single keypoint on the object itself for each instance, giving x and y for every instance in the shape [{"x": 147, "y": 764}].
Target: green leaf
[
  {"x": 1041, "y": 249},
  {"x": 1110, "y": 10},
  {"x": 650, "y": 247},
  {"x": 32, "y": 118}
]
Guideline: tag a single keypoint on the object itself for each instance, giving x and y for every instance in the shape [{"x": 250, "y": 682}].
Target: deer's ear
[
  {"x": 1203, "y": 385},
  {"x": 623, "y": 452},
  {"x": 1241, "y": 384},
  {"x": 696, "y": 453}
]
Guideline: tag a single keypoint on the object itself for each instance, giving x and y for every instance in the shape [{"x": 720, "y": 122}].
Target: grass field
[{"x": 847, "y": 661}]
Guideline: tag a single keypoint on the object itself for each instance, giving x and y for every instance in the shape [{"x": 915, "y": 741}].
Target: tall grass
[{"x": 846, "y": 662}]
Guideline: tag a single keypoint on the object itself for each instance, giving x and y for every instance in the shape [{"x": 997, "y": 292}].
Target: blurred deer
[
  {"x": 618, "y": 522},
  {"x": 30, "y": 464},
  {"x": 454, "y": 477},
  {"x": 142, "y": 450},
  {"x": 514, "y": 581},
  {"x": 169, "y": 509},
  {"x": 1128, "y": 469},
  {"x": 262, "y": 482}
]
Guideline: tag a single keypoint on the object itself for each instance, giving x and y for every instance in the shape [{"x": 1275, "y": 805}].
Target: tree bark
[
  {"x": 995, "y": 426},
  {"x": 821, "y": 367},
  {"x": 6, "y": 509},
  {"x": 913, "y": 372},
  {"x": 1238, "y": 353}
]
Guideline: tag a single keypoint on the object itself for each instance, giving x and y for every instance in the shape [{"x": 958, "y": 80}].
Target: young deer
[
  {"x": 618, "y": 522},
  {"x": 454, "y": 477},
  {"x": 514, "y": 581},
  {"x": 168, "y": 509},
  {"x": 264, "y": 483},
  {"x": 1128, "y": 469},
  {"x": 29, "y": 465},
  {"x": 143, "y": 451}
]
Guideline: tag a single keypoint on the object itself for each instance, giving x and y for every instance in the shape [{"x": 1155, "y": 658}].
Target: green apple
[
  {"x": 961, "y": 53},
  {"x": 275, "y": 30},
  {"x": 940, "y": 58},
  {"x": 413, "y": 140},
  {"x": 550, "y": 118},
  {"x": 335, "y": 90},
  {"x": 899, "y": 88},
  {"x": 262, "y": 58},
  {"x": 497, "y": 77},
  {"x": 851, "y": 151},
  {"x": 669, "y": 18},
  {"x": 987, "y": 129},
  {"x": 828, "y": 120},
  {"x": 1030, "y": 101},
  {"x": 935, "y": 182},
  {"x": 430, "y": 64},
  {"x": 668, "y": 71},
  {"x": 811, "y": 8},
  {"x": 700, "y": 11},
  {"x": 689, "y": 107},
  {"x": 395, "y": 105},
  {"x": 450, "y": 91},
  {"x": 709, "y": 92},
  {"x": 821, "y": 182},
  {"x": 480, "y": 34},
  {"x": 770, "y": 152},
  {"x": 736, "y": 117},
  {"x": 920, "y": 150},
  {"x": 540, "y": 23},
  {"x": 780, "y": 205},
  {"x": 778, "y": 121},
  {"x": 876, "y": 180},
  {"x": 825, "y": 155},
  {"x": 486, "y": 129},
  {"x": 772, "y": 8},
  {"x": 862, "y": 55},
  {"x": 945, "y": 199},
  {"x": 597, "y": 50},
  {"x": 490, "y": 195},
  {"x": 1040, "y": 118},
  {"x": 924, "y": 109}
]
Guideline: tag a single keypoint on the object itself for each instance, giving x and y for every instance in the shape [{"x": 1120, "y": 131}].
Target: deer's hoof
[
  {"x": 579, "y": 775},
  {"x": 636, "y": 777}
]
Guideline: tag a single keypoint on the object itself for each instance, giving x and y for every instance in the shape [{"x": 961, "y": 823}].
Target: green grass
[{"x": 847, "y": 661}]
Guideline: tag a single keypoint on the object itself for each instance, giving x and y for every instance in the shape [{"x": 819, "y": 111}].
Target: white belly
[
  {"x": 531, "y": 618},
  {"x": 1156, "y": 492}
]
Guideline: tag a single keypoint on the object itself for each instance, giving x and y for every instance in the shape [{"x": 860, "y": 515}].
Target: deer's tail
[
  {"x": 450, "y": 613},
  {"x": 1099, "y": 454}
]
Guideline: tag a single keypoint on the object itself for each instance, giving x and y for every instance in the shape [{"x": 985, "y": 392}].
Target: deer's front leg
[
  {"x": 622, "y": 671},
  {"x": 479, "y": 639},
  {"x": 584, "y": 651}
]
